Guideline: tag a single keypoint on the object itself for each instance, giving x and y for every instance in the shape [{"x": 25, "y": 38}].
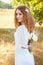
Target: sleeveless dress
[{"x": 23, "y": 56}]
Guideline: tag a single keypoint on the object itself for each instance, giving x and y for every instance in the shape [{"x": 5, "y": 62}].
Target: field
[
  {"x": 7, "y": 43},
  {"x": 6, "y": 18}
]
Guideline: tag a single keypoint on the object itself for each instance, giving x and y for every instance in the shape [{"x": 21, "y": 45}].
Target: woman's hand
[
  {"x": 30, "y": 47},
  {"x": 23, "y": 47},
  {"x": 27, "y": 46}
]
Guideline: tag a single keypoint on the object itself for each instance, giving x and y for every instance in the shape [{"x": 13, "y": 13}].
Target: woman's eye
[
  {"x": 16, "y": 14},
  {"x": 20, "y": 14}
]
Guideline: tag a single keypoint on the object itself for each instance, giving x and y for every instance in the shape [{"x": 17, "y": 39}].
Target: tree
[{"x": 5, "y": 5}]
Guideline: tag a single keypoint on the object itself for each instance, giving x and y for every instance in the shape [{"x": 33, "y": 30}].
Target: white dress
[{"x": 23, "y": 56}]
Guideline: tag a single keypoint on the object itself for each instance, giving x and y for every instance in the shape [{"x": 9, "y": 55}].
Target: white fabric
[
  {"x": 34, "y": 37},
  {"x": 23, "y": 56}
]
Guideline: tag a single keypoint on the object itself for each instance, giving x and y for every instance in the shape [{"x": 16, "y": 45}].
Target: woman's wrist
[{"x": 24, "y": 46}]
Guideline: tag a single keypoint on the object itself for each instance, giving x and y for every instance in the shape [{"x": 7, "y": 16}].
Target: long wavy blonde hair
[{"x": 28, "y": 19}]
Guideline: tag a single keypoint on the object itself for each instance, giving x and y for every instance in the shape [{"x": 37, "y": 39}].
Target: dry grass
[
  {"x": 7, "y": 47},
  {"x": 38, "y": 53},
  {"x": 6, "y": 53}
]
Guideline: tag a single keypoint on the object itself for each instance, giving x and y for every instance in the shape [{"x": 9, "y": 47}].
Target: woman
[{"x": 24, "y": 24}]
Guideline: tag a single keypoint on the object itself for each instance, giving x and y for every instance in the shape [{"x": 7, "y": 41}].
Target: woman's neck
[{"x": 21, "y": 23}]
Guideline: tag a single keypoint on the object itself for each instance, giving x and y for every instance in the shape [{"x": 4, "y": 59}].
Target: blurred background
[{"x": 7, "y": 29}]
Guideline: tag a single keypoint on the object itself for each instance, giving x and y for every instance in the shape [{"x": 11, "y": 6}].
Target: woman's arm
[{"x": 29, "y": 46}]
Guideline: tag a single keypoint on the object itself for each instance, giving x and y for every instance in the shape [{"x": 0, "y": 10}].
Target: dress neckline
[{"x": 21, "y": 26}]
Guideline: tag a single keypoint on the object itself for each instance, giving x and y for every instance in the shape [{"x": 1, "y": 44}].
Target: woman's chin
[{"x": 19, "y": 21}]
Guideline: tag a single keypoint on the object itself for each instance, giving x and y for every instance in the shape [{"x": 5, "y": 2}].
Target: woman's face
[{"x": 19, "y": 15}]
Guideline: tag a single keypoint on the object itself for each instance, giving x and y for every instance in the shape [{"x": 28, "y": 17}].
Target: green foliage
[{"x": 38, "y": 14}]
